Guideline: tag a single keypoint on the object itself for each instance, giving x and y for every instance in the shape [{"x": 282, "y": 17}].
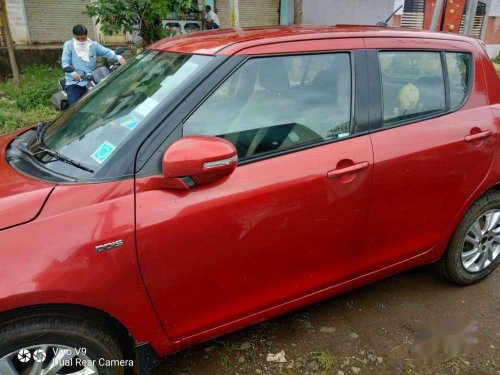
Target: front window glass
[
  {"x": 95, "y": 127},
  {"x": 412, "y": 85},
  {"x": 277, "y": 103}
]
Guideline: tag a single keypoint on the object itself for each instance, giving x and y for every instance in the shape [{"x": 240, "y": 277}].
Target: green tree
[{"x": 123, "y": 15}]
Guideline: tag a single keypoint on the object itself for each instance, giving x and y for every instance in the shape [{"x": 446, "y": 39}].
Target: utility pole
[
  {"x": 10, "y": 45},
  {"x": 297, "y": 12}
]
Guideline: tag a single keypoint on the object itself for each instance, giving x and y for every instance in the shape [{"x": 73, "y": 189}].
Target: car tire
[
  {"x": 456, "y": 264},
  {"x": 50, "y": 331}
]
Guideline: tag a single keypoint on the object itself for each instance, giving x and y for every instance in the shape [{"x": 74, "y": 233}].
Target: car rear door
[
  {"x": 287, "y": 222},
  {"x": 433, "y": 144}
]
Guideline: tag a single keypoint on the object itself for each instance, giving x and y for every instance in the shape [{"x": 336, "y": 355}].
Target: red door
[
  {"x": 280, "y": 227},
  {"x": 275, "y": 230},
  {"x": 425, "y": 169}
]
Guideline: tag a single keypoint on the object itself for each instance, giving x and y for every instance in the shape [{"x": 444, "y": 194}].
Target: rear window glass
[
  {"x": 459, "y": 67},
  {"x": 412, "y": 85}
]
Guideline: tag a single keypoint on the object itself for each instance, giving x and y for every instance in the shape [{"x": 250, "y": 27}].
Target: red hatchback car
[{"x": 227, "y": 177}]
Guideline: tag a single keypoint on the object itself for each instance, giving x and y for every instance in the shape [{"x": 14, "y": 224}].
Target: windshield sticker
[
  {"x": 129, "y": 122},
  {"x": 103, "y": 152},
  {"x": 146, "y": 107}
]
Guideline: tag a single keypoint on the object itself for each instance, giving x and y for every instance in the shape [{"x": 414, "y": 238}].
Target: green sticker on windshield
[{"x": 103, "y": 152}]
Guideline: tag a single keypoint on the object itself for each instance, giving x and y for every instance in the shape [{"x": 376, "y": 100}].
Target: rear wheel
[
  {"x": 58, "y": 345},
  {"x": 474, "y": 250}
]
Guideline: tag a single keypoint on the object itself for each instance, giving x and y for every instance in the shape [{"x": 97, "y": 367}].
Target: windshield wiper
[
  {"x": 40, "y": 130},
  {"x": 61, "y": 157}
]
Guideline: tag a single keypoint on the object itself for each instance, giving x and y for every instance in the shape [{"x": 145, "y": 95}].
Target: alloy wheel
[{"x": 481, "y": 245}]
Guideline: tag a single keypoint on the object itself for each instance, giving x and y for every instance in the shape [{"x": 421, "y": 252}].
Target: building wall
[
  {"x": 396, "y": 21},
  {"x": 251, "y": 13},
  {"x": 492, "y": 32},
  {"x": 51, "y": 21},
  {"x": 27, "y": 56},
  {"x": 495, "y": 8},
  {"x": 17, "y": 21},
  {"x": 492, "y": 36},
  {"x": 360, "y": 12}
]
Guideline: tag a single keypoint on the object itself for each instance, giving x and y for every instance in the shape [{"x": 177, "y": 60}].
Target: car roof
[{"x": 229, "y": 41}]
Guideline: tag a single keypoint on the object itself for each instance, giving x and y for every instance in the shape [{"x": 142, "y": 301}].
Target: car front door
[
  {"x": 287, "y": 222},
  {"x": 433, "y": 145}
]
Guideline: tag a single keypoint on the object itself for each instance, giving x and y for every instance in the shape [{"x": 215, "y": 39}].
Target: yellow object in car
[{"x": 408, "y": 97}]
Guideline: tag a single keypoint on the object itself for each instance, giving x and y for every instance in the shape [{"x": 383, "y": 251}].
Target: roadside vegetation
[
  {"x": 496, "y": 62},
  {"x": 31, "y": 103}
]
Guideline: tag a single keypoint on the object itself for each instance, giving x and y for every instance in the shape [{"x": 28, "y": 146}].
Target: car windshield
[{"x": 94, "y": 128}]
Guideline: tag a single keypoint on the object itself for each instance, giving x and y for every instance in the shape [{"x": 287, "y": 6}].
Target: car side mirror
[
  {"x": 119, "y": 50},
  {"x": 197, "y": 160}
]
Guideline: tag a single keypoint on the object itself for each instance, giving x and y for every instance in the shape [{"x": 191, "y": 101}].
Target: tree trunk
[
  {"x": 10, "y": 45},
  {"x": 297, "y": 12}
]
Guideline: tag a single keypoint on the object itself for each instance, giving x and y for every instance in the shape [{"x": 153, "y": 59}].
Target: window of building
[{"x": 273, "y": 104}]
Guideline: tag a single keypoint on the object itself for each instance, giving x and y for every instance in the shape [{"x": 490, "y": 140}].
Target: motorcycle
[{"x": 60, "y": 98}]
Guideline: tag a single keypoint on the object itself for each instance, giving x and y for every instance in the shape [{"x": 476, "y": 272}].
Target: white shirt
[{"x": 212, "y": 17}]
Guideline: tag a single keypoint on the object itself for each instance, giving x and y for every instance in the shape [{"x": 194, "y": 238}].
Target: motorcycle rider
[{"x": 81, "y": 53}]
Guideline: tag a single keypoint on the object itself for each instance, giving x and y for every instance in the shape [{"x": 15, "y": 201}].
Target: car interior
[{"x": 262, "y": 108}]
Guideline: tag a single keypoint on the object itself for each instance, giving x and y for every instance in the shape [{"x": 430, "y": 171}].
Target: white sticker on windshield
[
  {"x": 103, "y": 151},
  {"x": 146, "y": 107}
]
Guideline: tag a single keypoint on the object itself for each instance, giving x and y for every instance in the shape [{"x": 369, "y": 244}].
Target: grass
[
  {"x": 456, "y": 365},
  {"x": 224, "y": 360},
  {"x": 225, "y": 357},
  {"x": 410, "y": 368},
  {"x": 496, "y": 64},
  {"x": 324, "y": 359},
  {"x": 31, "y": 103}
]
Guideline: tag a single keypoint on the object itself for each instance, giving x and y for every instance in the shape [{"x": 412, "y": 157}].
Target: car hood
[{"x": 21, "y": 197}]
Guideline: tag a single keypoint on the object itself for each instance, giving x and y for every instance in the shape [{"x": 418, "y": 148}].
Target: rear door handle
[
  {"x": 478, "y": 136},
  {"x": 348, "y": 170}
]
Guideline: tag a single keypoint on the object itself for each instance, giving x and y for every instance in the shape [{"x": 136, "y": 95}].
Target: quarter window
[
  {"x": 412, "y": 85},
  {"x": 458, "y": 65},
  {"x": 273, "y": 104}
]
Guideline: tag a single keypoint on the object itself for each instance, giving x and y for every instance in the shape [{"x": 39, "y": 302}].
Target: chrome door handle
[
  {"x": 478, "y": 136},
  {"x": 348, "y": 170}
]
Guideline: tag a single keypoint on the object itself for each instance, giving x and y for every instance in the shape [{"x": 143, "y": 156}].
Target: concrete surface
[{"x": 371, "y": 330}]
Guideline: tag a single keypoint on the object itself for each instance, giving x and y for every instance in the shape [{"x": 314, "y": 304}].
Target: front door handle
[
  {"x": 478, "y": 136},
  {"x": 348, "y": 170}
]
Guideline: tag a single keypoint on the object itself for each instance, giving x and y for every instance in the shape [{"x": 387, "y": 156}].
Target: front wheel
[
  {"x": 58, "y": 345},
  {"x": 474, "y": 250}
]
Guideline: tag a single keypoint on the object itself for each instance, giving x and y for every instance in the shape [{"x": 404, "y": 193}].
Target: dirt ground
[{"x": 372, "y": 330}]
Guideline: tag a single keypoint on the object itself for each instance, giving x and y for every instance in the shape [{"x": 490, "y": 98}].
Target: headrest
[{"x": 273, "y": 75}]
